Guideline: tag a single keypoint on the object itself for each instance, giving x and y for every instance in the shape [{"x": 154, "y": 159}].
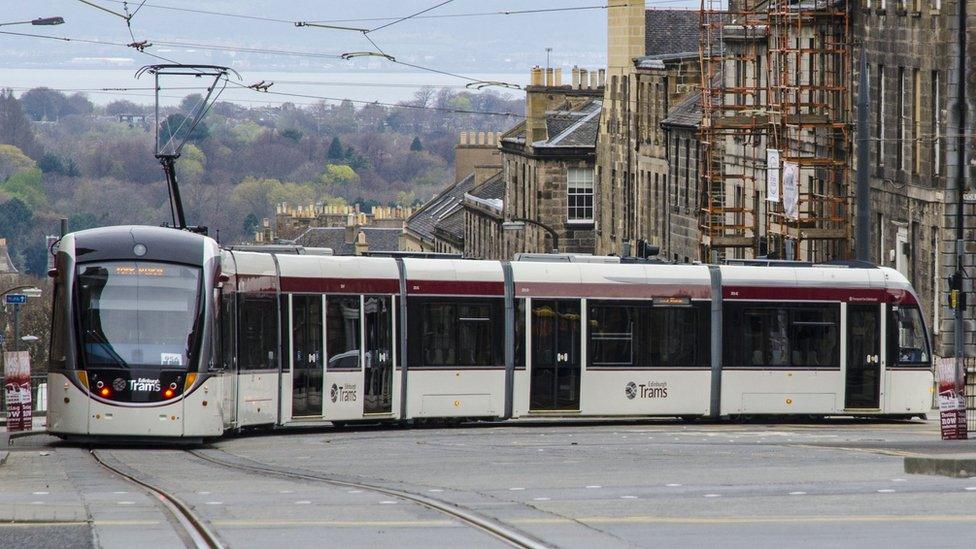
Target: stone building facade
[
  {"x": 549, "y": 163},
  {"x": 652, "y": 63},
  {"x": 484, "y": 213},
  {"x": 678, "y": 208},
  {"x": 909, "y": 46}
]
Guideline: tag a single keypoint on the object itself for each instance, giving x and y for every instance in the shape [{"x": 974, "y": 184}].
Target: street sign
[{"x": 15, "y": 299}]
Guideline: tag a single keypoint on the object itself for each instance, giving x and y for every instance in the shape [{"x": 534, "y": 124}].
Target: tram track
[
  {"x": 197, "y": 532},
  {"x": 496, "y": 529}
]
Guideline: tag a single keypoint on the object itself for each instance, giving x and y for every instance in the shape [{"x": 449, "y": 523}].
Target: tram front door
[
  {"x": 555, "y": 378},
  {"x": 863, "y": 379},
  {"x": 306, "y": 322}
]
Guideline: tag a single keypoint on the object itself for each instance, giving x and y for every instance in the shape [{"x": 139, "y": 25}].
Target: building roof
[
  {"x": 382, "y": 239},
  {"x": 327, "y": 237},
  {"x": 490, "y": 194},
  {"x": 378, "y": 239},
  {"x": 452, "y": 224},
  {"x": 686, "y": 113},
  {"x": 423, "y": 221},
  {"x": 671, "y": 31},
  {"x": 574, "y": 127}
]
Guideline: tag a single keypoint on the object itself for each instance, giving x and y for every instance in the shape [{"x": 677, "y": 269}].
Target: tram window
[
  {"x": 814, "y": 337},
  {"x": 625, "y": 334},
  {"x": 676, "y": 336},
  {"x": 612, "y": 334},
  {"x": 461, "y": 332},
  {"x": 59, "y": 333},
  {"x": 259, "y": 332},
  {"x": 758, "y": 335},
  {"x": 520, "y": 332},
  {"x": 907, "y": 338},
  {"x": 342, "y": 332}
]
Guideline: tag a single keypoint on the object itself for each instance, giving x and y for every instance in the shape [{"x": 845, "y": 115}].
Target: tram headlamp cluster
[{"x": 105, "y": 392}]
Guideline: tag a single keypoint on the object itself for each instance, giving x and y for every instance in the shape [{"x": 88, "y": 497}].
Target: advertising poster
[
  {"x": 791, "y": 190},
  {"x": 17, "y": 389},
  {"x": 772, "y": 175},
  {"x": 952, "y": 400}
]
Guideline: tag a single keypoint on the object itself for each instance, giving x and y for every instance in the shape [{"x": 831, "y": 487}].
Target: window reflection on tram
[
  {"x": 909, "y": 337},
  {"x": 138, "y": 313}
]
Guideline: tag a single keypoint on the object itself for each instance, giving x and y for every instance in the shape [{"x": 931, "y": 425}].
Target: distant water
[{"x": 103, "y": 86}]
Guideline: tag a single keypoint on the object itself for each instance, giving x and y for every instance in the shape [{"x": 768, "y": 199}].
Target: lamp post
[
  {"x": 518, "y": 224},
  {"x": 29, "y": 291},
  {"x": 39, "y": 22}
]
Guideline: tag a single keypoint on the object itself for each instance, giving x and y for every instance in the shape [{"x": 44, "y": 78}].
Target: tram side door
[
  {"x": 307, "y": 375},
  {"x": 378, "y": 354},
  {"x": 862, "y": 387},
  {"x": 556, "y": 333}
]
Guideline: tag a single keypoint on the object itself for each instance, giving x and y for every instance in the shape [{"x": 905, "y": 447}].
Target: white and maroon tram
[{"x": 161, "y": 333}]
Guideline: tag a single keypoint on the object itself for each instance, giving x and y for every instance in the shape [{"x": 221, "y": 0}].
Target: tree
[
  {"x": 191, "y": 104},
  {"x": 77, "y": 103},
  {"x": 292, "y": 133},
  {"x": 12, "y": 161},
  {"x": 250, "y": 225},
  {"x": 175, "y": 128},
  {"x": 27, "y": 187},
  {"x": 335, "y": 149},
  {"x": 44, "y": 104},
  {"x": 416, "y": 145},
  {"x": 123, "y": 106},
  {"x": 51, "y": 163},
  {"x": 15, "y": 129}
]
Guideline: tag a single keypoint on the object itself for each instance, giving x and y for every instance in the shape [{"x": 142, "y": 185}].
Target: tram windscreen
[
  {"x": 910, "y": 337},
  {"x": 138, "y": 313}
]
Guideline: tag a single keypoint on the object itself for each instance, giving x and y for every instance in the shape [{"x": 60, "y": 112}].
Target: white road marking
[
  {"x": 41, "y": 493},
  {"x": 303, "y": 502},
  {"x": 541, "y": 499},
  {"x": 897, "y": 480},
  {"x": 628, "y": 497},
  {"x": 435, "y": 490},
  {"x": 120, "y": 492},
  {"x": 713, "y": 495},
  {"x": 355, "y": 492},
  {"x": 387, "y": 502},
  {"x": 286, "y": 491},
  {"x": 798, "y": 493},
  {"x": 37, "y": 503},
  {"x": 885, "y": 491},
  {"x": 215, "y": 503},
  {"x": 971, "y": 488},
  {"x": 672, "y": 485},
  {"x": 516, "y": 489},
  {"x": 592, "y": 486},
  {"x": 126, "y": 503},
  {"x": 204, "y": 493}
]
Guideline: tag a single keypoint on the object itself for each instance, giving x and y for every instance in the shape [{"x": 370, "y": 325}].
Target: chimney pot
[
  {"x": 464, "y": 138},
  {"x": 603, "y": 77},
  {"x": 536, "y": 76},
  {"x": 549, "y": 77},
  {"x": 576, "y": 77},
  {"x": 558, "y": 77}
]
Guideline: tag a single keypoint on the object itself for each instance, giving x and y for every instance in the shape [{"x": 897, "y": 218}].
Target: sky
[{"x": 446, "y": 38}]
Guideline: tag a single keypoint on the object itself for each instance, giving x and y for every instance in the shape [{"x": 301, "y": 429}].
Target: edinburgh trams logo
[
  {"x": 144, "y": 384},
  {"x": 118, "y": 384},
  {"x": 651, "y": 389},
  {"x": 343, "y": 393}
]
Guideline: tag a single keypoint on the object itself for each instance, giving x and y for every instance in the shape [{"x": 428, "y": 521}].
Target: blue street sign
[{"x": 15, "y": 299}]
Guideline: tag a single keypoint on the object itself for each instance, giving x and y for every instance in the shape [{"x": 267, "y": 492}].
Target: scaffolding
[{"x": 775, "y": 76}]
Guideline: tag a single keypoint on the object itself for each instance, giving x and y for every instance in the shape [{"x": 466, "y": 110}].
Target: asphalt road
[{"x": 617, "y": 484}]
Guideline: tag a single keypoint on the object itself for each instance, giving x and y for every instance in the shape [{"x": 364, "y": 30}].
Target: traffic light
[{"x": 957, "y": 298}]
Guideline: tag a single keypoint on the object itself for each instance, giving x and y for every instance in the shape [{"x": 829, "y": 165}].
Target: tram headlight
[
  {"x": 105, "y": 392},
  {"x": 168, "y": 393}
]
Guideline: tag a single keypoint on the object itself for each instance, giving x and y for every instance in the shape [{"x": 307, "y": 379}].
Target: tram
[{"x": 161, "y": 333}]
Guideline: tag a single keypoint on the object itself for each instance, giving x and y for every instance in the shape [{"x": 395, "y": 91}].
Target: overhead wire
[{"x": 411, "y": 16}]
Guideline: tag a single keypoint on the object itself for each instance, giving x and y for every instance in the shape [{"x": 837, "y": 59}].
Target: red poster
[
  {"x": 17, "y": 388},
  {"x": 952, "y": 400}
]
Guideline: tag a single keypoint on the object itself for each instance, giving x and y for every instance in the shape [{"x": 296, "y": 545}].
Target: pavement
[{"x": 838, "y": 483}]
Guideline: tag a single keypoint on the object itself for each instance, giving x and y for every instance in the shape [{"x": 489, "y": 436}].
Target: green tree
[
  {"x": 192, "y": 164},
  {"x": 416, "y": 145},
  {"x": 13, "y": 160},
  {"x": 175, "y": 128},
  {"x": 27, "y": 187},
  {"x": 336, "y": 177},
  {"x": 44, "y": 103},
  {"x": 15, "y": 129},
  {"x": 51, "y": 163},
  {"x": 335, "y": 149}
]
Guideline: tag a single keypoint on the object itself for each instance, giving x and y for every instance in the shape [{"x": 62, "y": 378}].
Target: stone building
[
  {"x": 352, "y": 240},
  {"x": 549, "y": 160},
  {"x": 291, "y": 221},
  {"x": 675, "y": 228},
  {"x": 484, "y": 213},
  {"x": 652, "y": 60},
  {"x": 909, "y": 46},
  {"x": 438, "y": 225}
]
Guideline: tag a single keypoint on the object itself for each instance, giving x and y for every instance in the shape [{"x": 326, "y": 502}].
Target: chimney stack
[{"x": 536, "y": 76}]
